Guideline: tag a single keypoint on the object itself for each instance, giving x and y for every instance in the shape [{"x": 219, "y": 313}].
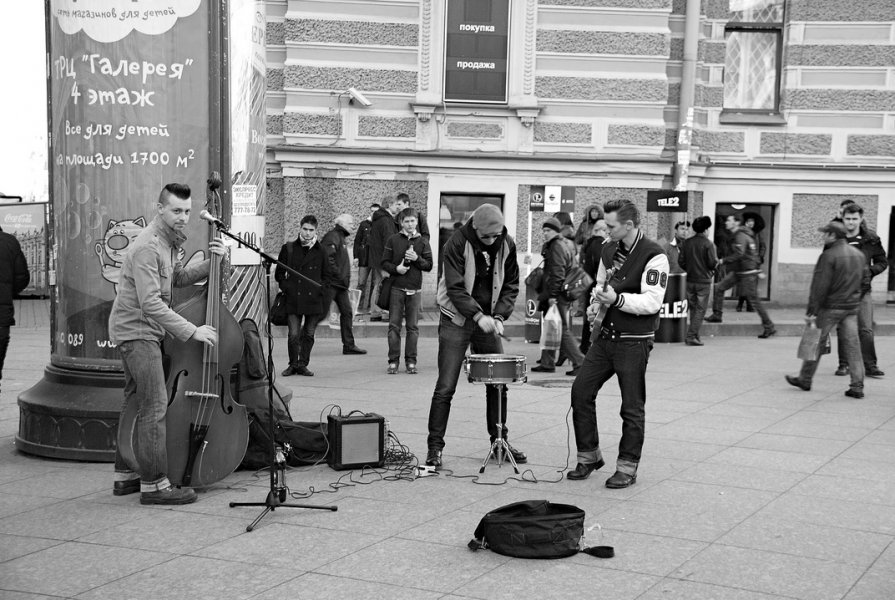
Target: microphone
[{"x": 207, "y": 216}]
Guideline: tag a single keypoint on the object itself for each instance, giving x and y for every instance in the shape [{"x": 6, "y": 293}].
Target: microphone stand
[{"x": 276, "y": 495}]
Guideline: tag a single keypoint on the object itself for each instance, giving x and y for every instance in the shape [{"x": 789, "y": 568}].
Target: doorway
[
  {"x": 764, "y": 238},
  {"x": 453, "y": 212}
]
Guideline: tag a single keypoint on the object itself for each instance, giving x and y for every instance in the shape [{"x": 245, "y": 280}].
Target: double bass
[{"x": 207, "y": 431}]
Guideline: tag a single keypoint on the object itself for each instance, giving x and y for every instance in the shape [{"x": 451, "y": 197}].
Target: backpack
[{"x": 308, "y": 441}]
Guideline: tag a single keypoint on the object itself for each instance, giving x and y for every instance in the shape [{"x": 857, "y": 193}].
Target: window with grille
[{"x": 754, "y": 37}]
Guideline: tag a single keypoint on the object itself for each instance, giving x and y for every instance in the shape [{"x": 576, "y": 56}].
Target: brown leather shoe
[
  {"x": 583, "y": 471},
  {"x": 620, "y": 480},
  {"x": 123, "y": 488}
]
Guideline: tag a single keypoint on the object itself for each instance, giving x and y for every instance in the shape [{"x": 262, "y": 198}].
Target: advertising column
[{"x": 128, "y": 88}]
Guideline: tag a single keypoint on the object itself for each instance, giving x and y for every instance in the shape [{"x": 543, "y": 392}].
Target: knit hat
[
  {"x": 553, "y": 223},
  {"x": 701, "y": 224},
  {"x": 836, "y": 228}
]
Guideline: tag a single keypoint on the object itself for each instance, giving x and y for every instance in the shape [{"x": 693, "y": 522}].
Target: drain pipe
[{"x": 688, "y": 94}]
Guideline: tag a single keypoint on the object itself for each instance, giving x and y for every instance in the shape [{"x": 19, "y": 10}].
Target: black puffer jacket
[
  {"x": 337, "y": 254},
  {"x": 14, "y": 276}
]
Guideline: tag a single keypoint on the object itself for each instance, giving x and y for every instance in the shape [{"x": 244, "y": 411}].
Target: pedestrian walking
[
  {"x": 742, "y": 264},
  {"x": 14, "y": 277},
  {"x": 839, "y": 275}
]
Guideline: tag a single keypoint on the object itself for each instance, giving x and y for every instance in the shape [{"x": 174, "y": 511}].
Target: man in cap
[{"x": 834, "y": 298}]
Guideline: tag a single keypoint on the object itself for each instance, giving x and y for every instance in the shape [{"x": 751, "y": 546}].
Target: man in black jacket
[
  {"x": 14, "y": 277},
  {"x": 384, "y": 227},
  {"x": 698, "y": 259},
  {"x": 304, "y": 295},
  {"x": 340, "y": 279},
  {"x": 476, "y": 294},
  {"x": 631, "y": 300},
  {"x": 858, "y": 236},
  {"x": 362, "y": 259},
  {"x": 559, "y": 259},
  {"x": 743, "y": 268},
  {"x": 839, "y": 275}
]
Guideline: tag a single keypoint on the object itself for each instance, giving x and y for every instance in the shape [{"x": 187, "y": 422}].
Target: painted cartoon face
[{"x": 120, "y": 235}]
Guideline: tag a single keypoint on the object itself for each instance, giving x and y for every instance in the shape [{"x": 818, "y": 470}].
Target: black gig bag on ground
[{"x": 531, "y": 529}]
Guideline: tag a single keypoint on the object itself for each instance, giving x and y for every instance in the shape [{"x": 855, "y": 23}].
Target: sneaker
[
  {"x": 873, "y": 372},
  {"x": 714, "y": 319},
  {"x": 854, "y": 393},
  {"x": 123, "y": 488},
  {"x": 842, "y": 370},
  {"x": 171, "y": 495},
  {"x": 433, "y": 459},
  {"x": 411, "y": 369},
  {"x": 392, "y": 368}
]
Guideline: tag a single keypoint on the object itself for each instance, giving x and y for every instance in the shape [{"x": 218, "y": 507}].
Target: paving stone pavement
[{"x": 748, "y": 489}]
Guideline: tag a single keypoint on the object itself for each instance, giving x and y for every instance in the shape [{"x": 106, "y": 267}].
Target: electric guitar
[{"x": 601, "y": 312}]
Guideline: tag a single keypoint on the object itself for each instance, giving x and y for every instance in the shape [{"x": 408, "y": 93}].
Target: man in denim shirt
[{"x": 141, "y": 316}]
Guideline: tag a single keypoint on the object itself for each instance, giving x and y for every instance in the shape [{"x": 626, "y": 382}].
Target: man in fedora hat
[{"x": 835, "y": 295}]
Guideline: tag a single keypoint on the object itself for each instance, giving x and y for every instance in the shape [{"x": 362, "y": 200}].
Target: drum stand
[{"x": 500, "y": 448}]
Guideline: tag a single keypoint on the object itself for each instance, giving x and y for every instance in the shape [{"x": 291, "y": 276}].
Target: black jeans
[
  {"x": 698, "y": 301},
  {"x": 301, "y": 338},
  {"x": 627, "y": 359},
  {"x": 453, "y": 340},
  {"x": 346, "y": 315},
  {"x": 748, "y": 285}
]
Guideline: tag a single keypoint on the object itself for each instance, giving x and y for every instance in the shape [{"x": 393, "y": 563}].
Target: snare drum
[{"x": 496, "y": 368}]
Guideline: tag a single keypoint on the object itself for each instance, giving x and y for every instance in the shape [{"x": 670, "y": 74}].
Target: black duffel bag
[{"x": 531, "y": 529}]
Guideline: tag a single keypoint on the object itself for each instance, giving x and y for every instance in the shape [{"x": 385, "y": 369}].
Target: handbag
[
  {"x": 278, "y": 313},
  {"x": 551, "y": 329},
  {"x": 577, "y": 283},
  {"x": 810, "y": 342},
  {"x": 385, "y": 293}
]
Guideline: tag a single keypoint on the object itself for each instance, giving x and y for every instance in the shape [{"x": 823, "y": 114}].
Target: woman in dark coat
[{"x": 305, "y": 302}]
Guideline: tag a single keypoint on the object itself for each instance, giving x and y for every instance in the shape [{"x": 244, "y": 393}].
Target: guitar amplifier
[{"x": 356, "y": 441}]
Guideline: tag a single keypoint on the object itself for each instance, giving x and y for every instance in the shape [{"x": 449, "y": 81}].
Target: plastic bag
[
  {"x": 335, "y": 317},
  {"x": 551, "y": 329},
  {"x": 808, "y": 346}
]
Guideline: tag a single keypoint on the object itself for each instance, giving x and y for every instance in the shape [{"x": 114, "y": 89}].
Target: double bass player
[{"x": 141, "y": 316}]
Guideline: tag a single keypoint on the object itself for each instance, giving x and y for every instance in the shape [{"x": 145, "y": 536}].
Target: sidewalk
[
  {"x": 789, "y": 320},
  {"x": 749, "y": 489}
]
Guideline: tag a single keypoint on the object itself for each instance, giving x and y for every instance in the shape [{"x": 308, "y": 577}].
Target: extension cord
[{"x": 425, "y": 471}]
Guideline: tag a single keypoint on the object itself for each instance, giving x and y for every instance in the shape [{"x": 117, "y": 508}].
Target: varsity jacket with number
[{"x": 640, "y": 284}]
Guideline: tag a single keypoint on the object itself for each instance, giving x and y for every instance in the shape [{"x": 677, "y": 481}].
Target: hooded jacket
[
  {"x": 559, "y": 258},
  {"x": 337, "y": 254},
  {"x": 464, "y": 256},
  {"x": 381, "y": 230},
  {"x": 586, "y": 225}
]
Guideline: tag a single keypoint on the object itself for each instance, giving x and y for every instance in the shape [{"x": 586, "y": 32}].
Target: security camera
[{"x": 356, "y": 95}]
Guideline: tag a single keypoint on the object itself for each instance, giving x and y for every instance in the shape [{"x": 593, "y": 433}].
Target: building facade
[{"x": 791, "y": 107}]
